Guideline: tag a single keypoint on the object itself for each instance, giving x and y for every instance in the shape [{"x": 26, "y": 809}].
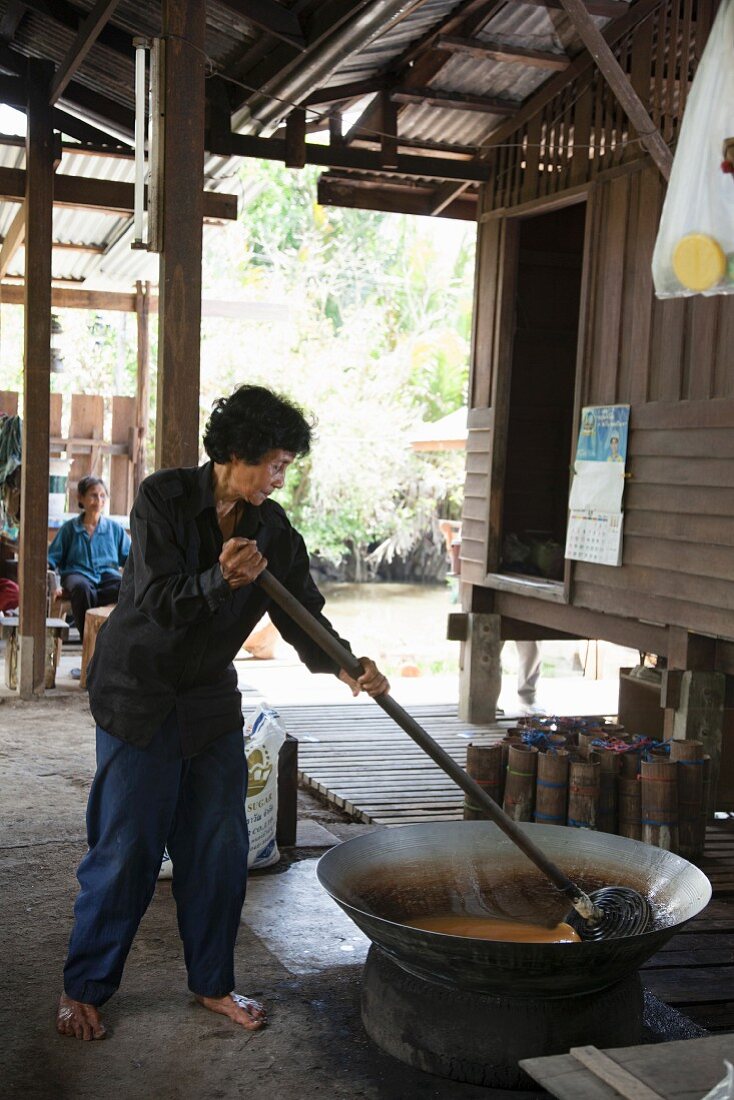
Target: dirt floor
[{"x": 161, "y": 1043}]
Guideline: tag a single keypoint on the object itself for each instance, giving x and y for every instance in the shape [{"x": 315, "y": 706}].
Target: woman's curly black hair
[{"x": 253, "y": 421}]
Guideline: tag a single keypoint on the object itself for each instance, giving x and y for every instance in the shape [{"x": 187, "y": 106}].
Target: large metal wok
[{"x": 471, "y": 868}]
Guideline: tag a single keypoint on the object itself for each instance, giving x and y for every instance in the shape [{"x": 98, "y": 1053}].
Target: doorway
[{"x": 540, "y": 426}]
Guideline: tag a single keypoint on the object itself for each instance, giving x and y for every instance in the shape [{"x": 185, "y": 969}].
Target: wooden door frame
[{"x": 554, "y": 591}]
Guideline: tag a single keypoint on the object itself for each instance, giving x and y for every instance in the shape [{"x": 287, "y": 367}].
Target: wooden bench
[{"x": 57, "y": 631}]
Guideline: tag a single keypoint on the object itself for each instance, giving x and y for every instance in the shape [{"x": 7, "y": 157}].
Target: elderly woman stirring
[
  {"x": 88, "y": 552},
  {"x": 163, "y": 691}
]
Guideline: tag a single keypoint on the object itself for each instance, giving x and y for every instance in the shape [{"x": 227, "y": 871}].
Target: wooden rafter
[
  {"x": 359, "y": 160},
  {"x": 605, "y": 9},
  {"x": 84, "y": 132},
  {"x": 12, "y": 241},
  {"x": 493, "y": 49},
  {"x": 620, "y": 84},
  {"x": 423, "y": 60},
  {"x": 69, "y": 16},
  {"x": 88, "y": 33},
  {"x": 393, "y": 197},
  {"x": 112, "y": 196},
  {"x": 272, "y": 18},
  {"x": 457, "y": 101},
  {"x": 11, "y": 20}
]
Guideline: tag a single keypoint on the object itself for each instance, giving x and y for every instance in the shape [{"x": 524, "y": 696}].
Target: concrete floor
[{"x": 296, "y": 952}]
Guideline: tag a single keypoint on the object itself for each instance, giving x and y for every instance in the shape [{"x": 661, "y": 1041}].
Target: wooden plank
[
  {"x": 617, "y": 79},
  {"x": 39, "y": 183},
  {"x": 706, "y": 531},
  {"x": 87, "y": 422},
  {"x": 699, "y": 472},
  {"x": 681, "y": 1070},
  {"x": 636, "y": 602},
  {"x": 88, "y": 33},
  {"x": 702, "y": 443},
  {"x": 609, "y": 310},
  {"x": 112, "y": 196},
  {"x": 12, "y": 241},
  {"x": 179, "y": 341},
  {"x": 681, "y": 414},
  {"x": 694, "y": 558},
  {"x": 497, "y": 50},
  {"x": 639, "y": 290},
  {"x": 121, "y": 466}
]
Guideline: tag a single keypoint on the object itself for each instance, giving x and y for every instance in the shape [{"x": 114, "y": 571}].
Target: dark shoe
[{"x": 76, "y": 674}]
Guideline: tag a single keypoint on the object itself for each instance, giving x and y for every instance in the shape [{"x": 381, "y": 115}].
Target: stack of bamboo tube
[{"x": 596, "y": 777}]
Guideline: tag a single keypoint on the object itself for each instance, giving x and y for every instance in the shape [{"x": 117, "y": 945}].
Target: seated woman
[{"x": 88, "y": 552}]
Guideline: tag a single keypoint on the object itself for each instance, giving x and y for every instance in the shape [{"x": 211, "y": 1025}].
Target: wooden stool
[
  {"x": 93, "y": 620},
  {"x": 56, "y": 632}
]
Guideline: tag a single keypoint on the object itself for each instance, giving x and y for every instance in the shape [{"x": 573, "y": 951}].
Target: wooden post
[
  {"x": 177, "y": 414},
  {"x": 37, "y": 382},
  {"x": 699, "y": 716},
  {"x": 142, "y": 393},
  {"x": 480, "y": 676}
]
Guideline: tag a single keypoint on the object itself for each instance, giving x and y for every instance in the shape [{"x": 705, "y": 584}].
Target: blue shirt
[{"x": 74, "y": 551}]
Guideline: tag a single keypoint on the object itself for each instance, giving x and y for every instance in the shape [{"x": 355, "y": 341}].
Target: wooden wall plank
[
  {"x": 682, "y": 471},
  {"x": 685, "y": 414},
  {"x": 700, "y": 348},
  {"x": 87, "y": 422},
  {"x": 634, "y": 580},
  {"x": 637, "y": 605},
  {"x": 690, "y": 442},
  {"x": 485, "y": 298},
  {"x": 678, "y": 499},
  {"x": 639, "y": 290},
  {"x": 121, "y": 467},
  {"x": 723, "y": 383},
  {"x": 707, "y": 531},
  {"x": 611, "y": 244},
  {"x": 694, "y": 558}
]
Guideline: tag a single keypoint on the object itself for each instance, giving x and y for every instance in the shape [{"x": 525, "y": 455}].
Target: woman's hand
[
  {"x": 241, "y": 562},
  {"x": 372, "y": 681}
]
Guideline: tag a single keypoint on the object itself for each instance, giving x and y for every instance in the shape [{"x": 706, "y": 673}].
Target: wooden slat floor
[{"x": 356, "y": 759}]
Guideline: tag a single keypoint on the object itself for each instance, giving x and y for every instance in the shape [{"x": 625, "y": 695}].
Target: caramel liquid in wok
[{"x": 487, "y": 928}]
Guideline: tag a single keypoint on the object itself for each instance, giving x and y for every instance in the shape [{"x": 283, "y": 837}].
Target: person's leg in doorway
[{"x": 528, "y": 672}]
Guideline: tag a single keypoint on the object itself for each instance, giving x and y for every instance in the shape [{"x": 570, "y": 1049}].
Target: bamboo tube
[
  {"x": 484, "y": 763},
  {"x": 551, "y": 791},
  {"x": 522, "y": 769},
  {"x": 584, "y": 792},
  {"x": 689, "y": 757},
  {"x": 659, "y": 803},
  {"x": 630, "y": 766},
  {"x": 585, "y": 739},
  {"x": 630, "y": 823},
  {"x": 608, "y": 775}
]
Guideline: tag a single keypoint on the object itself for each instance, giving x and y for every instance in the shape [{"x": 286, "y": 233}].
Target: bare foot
[
  {"x": 78, "y": 1020},
  {"x": 243, "y": 1010}
]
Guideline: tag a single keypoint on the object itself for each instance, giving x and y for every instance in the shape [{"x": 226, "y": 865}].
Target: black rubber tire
[{"x": 480, "y": 1039}]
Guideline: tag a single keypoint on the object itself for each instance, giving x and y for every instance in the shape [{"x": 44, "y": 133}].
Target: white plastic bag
[
  {"x": 264, "y": 735},
  {"x": 694, "y": 251},
  {"x": 725, "y": 1088}
]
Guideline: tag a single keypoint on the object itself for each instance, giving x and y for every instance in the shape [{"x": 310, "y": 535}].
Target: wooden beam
[
  {"x": 337, "y": 93},
  {"x": 493, "y": 49},
  {"x": 39, "y": 182},
  {"x": 360, "y": 160},
  {"x": 110, "y": 195},
  {"x": 272, "y": 18},
  {"x": 100, "y": 109},
  {"x": 12, "y": 241},
  {"x": 142, "y": 388},
  {"x": 88, "y": 33},
  {"x": 443, "y": 196},
  {"x": 618, "y": 81},
  {"x": 295, "y": 139},
  {"x": 455, "y": 101},
  {"x": 70, "y": 246},
  {"x": 392, "y": 199},
  {"x": 70, "y": 16},
  {"x": 82, "y": 131},
  {"x": 389, "y": 128},
  {"x": 13, "y": 294},
  {"x": 422, "y": 61},
  {"x": 605, "y": 9},
  {"x": 179, "y": 323}
]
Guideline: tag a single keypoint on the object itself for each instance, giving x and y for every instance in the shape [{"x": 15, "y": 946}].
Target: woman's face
[
  {"x": 256, "y": 483},
  {"x": 94, "y": 500}
]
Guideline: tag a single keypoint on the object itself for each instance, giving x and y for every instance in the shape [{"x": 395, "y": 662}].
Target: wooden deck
[{"x": 357, "y": 760}]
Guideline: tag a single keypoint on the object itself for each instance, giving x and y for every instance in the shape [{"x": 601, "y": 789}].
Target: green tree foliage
[{"x": 374, "y": 338}]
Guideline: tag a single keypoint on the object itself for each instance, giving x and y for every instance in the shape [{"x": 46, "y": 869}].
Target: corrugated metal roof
[{"x": 233, "y": 45}]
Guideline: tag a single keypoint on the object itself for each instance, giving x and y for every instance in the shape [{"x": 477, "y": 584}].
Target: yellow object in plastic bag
[{"x": 699, "y": 261}]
